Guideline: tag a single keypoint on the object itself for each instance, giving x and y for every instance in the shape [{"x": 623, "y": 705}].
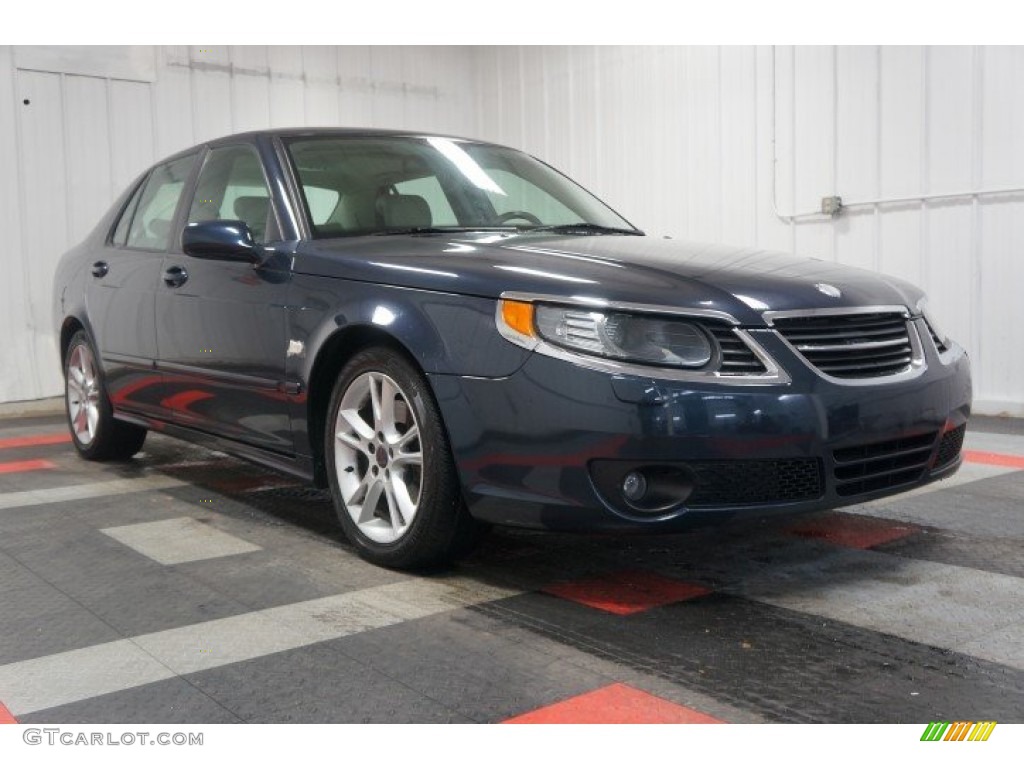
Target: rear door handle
[
  {"x": 100, "y": 269},
  {"x": 175, "y": 276}
]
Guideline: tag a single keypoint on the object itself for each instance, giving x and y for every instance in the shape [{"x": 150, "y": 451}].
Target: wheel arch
[
  {"x": 336, "y": 350},
  {"x": 68, "y": 329}
]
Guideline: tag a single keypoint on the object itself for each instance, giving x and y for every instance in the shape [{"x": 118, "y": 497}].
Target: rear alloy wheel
[
  {"x": 394, "y": 483},
  {"x": 97, "y": 435}
]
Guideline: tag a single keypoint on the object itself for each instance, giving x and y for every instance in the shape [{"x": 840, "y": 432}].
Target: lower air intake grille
[
  {"x": 722, "y": 483},
  {"x": 737, "y": 358},
  {"x": 949, "y": 447},
  {"x": 877, "y": 466},
  {"x": 856, "y": 346}
]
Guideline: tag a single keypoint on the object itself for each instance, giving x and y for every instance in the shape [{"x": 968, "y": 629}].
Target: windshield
[{"x": 381, "y": 185}]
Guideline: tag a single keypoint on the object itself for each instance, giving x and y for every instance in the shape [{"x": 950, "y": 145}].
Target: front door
[{"x": 221, "y": 323}]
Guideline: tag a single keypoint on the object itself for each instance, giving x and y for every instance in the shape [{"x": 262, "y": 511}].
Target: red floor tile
[
  {"x": 32, "y": 440},
  {"x": 852, "y": 531},
  {"x": 6, "y": 718},
  {"x": 998, "y": 459},
  {"x": 626, "y": 592},
  {"x": 616, "y": 703},
  {"x": 25, "y": 466}
]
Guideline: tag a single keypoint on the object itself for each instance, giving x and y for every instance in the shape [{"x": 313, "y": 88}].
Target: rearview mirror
[{"x": 220, "y": 239}]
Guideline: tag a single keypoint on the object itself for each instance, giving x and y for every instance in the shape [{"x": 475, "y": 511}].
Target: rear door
[
  {"x": 121, "y": 290},
  {"x": 221, "y": 323}
]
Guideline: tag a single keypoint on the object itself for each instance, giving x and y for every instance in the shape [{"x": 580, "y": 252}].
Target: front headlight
[
  {"x": 621, "y": 336},
  {"x": 625, "y": 336},
  {"x": 701, "y": 345}
]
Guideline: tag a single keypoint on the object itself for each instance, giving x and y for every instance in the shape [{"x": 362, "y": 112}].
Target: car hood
[{"x": 743, "y": 282}]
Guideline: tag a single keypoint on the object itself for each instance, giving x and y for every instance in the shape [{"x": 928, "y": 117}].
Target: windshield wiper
[
  {"x": 583, "y": 227},
  {"x": 439, "y": 230}
]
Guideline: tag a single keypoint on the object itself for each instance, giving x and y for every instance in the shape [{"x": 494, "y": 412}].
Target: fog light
[{"x": 634, "y": 486}]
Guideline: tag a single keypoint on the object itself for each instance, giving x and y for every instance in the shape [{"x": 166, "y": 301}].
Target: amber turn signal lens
[{"x": 518, "y": 315}]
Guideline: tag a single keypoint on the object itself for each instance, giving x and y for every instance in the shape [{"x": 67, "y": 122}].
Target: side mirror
[{"x": 220, "y": 239}]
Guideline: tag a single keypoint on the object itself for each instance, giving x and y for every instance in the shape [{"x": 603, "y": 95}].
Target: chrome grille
[
  {"x": 737, "y": 358},
  {"x": 855, "y": 346}
]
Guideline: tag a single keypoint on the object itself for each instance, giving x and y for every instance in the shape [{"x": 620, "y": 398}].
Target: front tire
[
  {"x": 97, "y": 435},
  {"x": 392, "y": 475}
]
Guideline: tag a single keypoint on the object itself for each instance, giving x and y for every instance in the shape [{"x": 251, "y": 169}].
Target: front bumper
[{"x": 532, "y": 448}]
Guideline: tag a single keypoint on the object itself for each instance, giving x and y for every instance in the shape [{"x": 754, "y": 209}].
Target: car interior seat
[
  {"x": 253, "y": 209},
  {"x": 403, "y": 211}
]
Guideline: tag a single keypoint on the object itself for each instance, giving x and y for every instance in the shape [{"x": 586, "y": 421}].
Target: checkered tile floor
[{"x": 185, "y": 586}]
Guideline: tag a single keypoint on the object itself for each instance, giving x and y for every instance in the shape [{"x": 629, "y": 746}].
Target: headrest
[
  {"x": 253, "y": 211},
  {"x": 400, "y": 211}
]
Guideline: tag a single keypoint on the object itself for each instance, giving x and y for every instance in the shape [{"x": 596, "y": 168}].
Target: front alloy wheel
[
  {"x": 390, "y": 468},
  {"x": 377, "y": 458}
]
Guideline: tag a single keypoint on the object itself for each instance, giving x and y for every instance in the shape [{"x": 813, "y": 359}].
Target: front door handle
[
  {"x": 175, "y": 276},
  {"x": 100, "y": 269}
]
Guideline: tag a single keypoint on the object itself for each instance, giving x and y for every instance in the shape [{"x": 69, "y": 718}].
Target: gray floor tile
[{"x": 169, "y": 701}]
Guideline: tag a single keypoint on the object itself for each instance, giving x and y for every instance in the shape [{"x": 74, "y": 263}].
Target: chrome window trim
[
  {"x": 918, "y": 364},
  {"x": 773, "y": 375},
  {"x": 803, "y": 347}
]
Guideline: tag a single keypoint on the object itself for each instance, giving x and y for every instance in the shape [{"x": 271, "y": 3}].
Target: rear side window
[
  {"x": 154, "y": 215},
  {"x": 121, "y": 231},
  {"x": 232, "y": 186}
]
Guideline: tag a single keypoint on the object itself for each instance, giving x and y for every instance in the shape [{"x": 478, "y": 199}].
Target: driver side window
[{"x": 232, "y": 186}]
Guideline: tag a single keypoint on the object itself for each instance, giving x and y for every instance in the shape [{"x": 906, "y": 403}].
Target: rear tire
[
  {"x": 97, "y": 435},
  {"x": 395, "y": 487}
]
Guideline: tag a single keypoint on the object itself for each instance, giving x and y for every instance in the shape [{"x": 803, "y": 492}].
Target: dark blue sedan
[{"x": 449, "y": 333}]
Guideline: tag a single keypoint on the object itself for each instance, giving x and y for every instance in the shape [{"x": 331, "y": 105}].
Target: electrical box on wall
[{"x": 832, "y": 206}]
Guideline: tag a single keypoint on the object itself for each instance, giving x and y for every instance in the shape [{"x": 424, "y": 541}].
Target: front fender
[
  {"x": 328, "y": 320},
  {"x": 445, "y": 333}
]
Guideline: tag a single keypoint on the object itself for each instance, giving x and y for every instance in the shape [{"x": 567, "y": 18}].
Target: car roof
[{"x": 308, "y": 132}]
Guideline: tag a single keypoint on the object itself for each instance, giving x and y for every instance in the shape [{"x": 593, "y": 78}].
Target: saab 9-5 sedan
[{"x": 450, "y": 333}]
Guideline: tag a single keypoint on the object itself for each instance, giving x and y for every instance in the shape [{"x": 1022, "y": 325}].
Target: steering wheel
[{"x": 507, "y": 216}]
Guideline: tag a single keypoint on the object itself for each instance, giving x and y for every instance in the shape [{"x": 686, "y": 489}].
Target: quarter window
[
  {"x": 232, "y": 186},
  {"x": 154, "y": 216},
  {"x": 121, "y": 231}
]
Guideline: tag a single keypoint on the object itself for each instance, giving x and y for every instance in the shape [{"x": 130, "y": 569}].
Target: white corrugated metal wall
[
  {"x": 96, "y": 117},
  {"x": 678, "y": 139}
]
